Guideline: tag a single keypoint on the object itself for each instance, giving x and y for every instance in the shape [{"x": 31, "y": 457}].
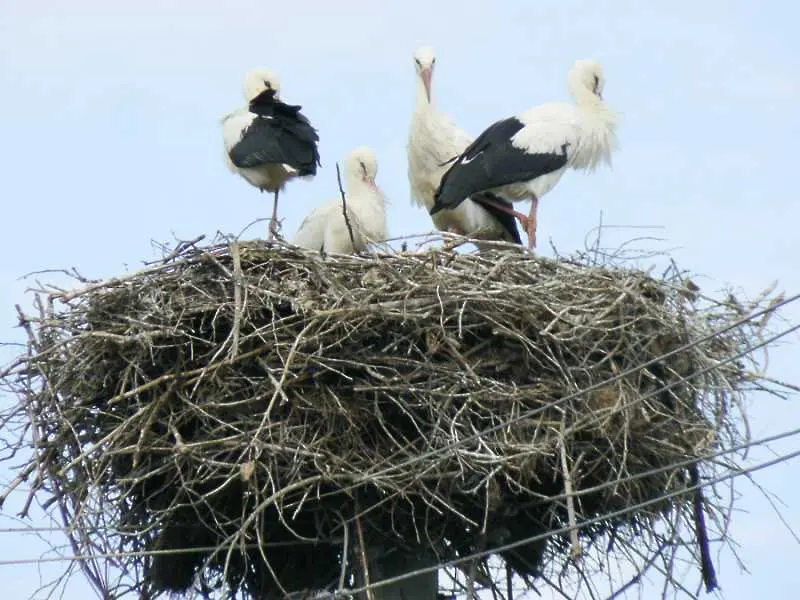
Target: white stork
[
  {"x": 269, "y": 142},
  {"x": 325, "y": 229},
  {"x": 433, "y": 140},
  {"x": 523, "y": 157}
]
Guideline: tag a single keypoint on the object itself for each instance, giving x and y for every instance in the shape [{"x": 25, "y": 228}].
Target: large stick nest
[{"x": 262, "y": 404}]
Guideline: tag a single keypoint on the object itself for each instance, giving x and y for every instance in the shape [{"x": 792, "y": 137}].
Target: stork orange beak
[
  {"x": 371, "y": 183},
  {"x": 426, "y": 81}
]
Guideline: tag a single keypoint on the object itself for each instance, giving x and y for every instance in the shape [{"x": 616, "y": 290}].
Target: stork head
[
  {"x": 424, "y": 61},
  {"x": 586, "y": 80},
  {"x": 362, "y": 165},
  {"x": 259, "y": 80}
]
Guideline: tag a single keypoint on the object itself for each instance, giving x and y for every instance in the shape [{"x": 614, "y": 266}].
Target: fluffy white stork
[
  {"x": 432, "y": 141},
  {"x": 325, "y": 229},
  {"x": 523, "y": 157},
  {"x": 269, "y": 142}
]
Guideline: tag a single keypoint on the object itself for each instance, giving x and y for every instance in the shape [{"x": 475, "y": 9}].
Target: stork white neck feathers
[
  {"x": 598, "y": 123},
  {"x": 588, "y": 126},
  {"x": 585, "y": 82},
  {"x": 433, "y": 138}
]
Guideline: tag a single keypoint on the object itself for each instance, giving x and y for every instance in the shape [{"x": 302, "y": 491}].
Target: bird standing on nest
[
  {"x": 326, "y": 228},
  {"x": 269, "y": 142},
  {"x": 434, "y": 139},
  {"x": 523, "y": 157}
]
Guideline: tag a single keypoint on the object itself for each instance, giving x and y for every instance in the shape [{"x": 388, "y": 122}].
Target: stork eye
[
  {"x": 416, "y": 60},
  {"x": 267, "y": 84},
  {"x": 433, "y": 62},
  {"x": 596, "y": 83},
  {"x": 363, "y": 168}
]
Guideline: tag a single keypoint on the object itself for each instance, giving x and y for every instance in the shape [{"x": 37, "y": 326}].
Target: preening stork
[
  {"x": 325, "y": 229},
  {"x": 434, "y": 139},
  {"x": 523, "y": 157},
  {"x": 269, "y": 142}
]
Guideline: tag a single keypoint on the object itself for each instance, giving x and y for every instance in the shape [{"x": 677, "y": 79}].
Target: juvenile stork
[
  {"x": 325, "y": 229},
  {"x": 269, "y": 142},
  {"x": 522, "y": 157},
  {"x": 434, "y": 139}
]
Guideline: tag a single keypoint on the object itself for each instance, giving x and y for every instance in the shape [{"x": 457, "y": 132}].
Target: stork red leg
[
  {"x": 273, "y": 224},
  {"x": 530, "y": 222}
]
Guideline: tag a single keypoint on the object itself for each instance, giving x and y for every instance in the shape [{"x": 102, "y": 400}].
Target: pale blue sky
[{"x": 109, "y": 118}]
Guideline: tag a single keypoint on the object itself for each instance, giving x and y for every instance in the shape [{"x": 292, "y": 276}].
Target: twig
[
  {"x": 620, "y": 591},
  {"x": 18, "y": 480},
  {"x": 363, "y": 554},
  {"x": 344, "y": 207},
  {"x": 576, "y": 550},
  {"x": 238, "y": 284},
  {"x": 345, "y": 553},
  {"x": 180, "y": 248}
]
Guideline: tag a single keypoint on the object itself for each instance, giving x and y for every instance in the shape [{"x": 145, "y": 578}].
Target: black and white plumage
[
  {"x": 325, "y": 229},
  {"x": 434, "y": 139},
  {"x": 523, "y": 157},
  {"x": 269, "y": 142}
]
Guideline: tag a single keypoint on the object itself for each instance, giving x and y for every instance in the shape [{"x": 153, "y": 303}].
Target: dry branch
[
  {"x": 249, "y": 398},
  {"x": 344, "y": 206}
]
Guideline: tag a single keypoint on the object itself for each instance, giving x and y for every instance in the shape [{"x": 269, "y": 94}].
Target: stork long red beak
[{"x": 426, "y": 75}]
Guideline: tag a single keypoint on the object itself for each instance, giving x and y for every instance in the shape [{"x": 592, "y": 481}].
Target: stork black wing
[
  {"x": 279, "y": 134},
  {"x": 492, "y": 161}
]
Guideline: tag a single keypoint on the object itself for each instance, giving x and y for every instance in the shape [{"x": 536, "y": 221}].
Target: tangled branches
[{"x": 250, "y": 403}]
